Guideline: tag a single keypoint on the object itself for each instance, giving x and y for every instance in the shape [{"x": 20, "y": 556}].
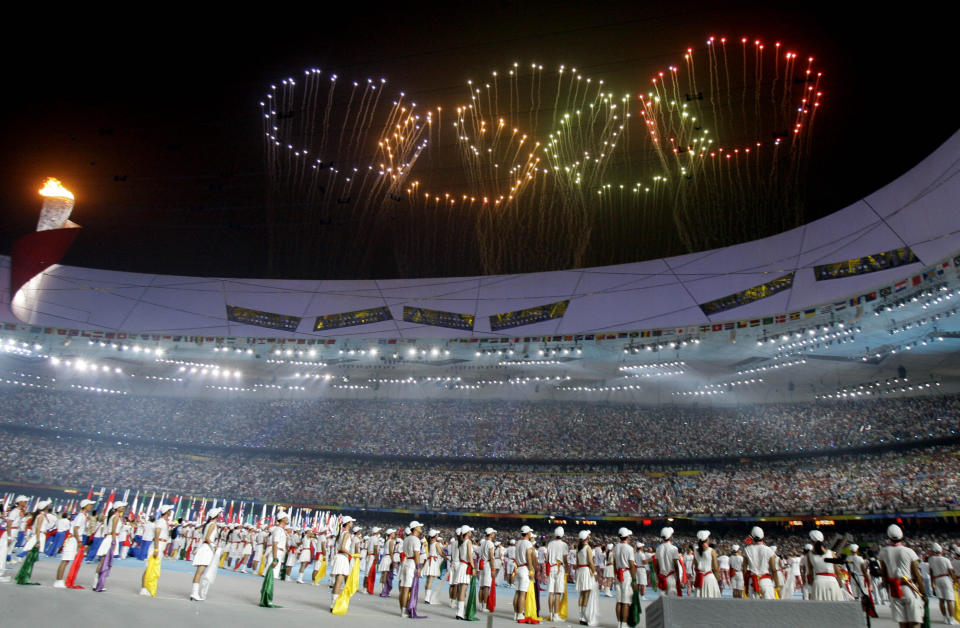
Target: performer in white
[
  {"x": 586, "y": 578},
  {"x": 723, "y": 561},
  {"x": 432, "y": 568},
  {"x": 642, "y": 560},
  {"x": 761, "y": 567},
  {"x": 340, "y": 565},
  {"x": 305, "y": 554},
  {"x": 668, "y": 563},
  {"x": 465, "y": 568},
  {"x": 858, "y": 571},
  {"x": 386, "y": 560},
  {"x": 556, "y": 567},
  {"x": 205, "y": 553},
  {"x": 625, "y": 568},
  {"x": 823, "y": 577},
  {"x": 526, "y": 558},
  {"x": 411, "y": 559},
  {"x": 161, "y": 537},
  {"x": 736, "y": 571},
  {"x": 277, "y": 545},
  {"x": 705, "y": 567},
  {"x": 510, "y": 563},
  {"x": 487, "y": 565},
  {"x": 943, "y": 577},
  {"x": 72, "y": 544},
  {"x": 901, "y": 574}
]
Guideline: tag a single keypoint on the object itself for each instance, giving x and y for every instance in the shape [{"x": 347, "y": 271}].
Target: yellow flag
[
  {"x": 342, "y": 603},
  {"x": 152, "y": 575},
  {"x": 956, "y": 606},
  {"x": 530, "y": 604},
  {"x": 320, "y": 572},
  {"x": 562, "y": 611}
]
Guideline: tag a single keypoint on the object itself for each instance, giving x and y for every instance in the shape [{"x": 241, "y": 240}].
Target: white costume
[
  {"x": 825, "y": 584},
  {"x": 623, "y": 555},
  {"x": 703, "y": 566},
  {"x": 905, "y": 604}
]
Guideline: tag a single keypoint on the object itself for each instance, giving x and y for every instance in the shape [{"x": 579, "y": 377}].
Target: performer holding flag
[{"x": 73, "y": 547}]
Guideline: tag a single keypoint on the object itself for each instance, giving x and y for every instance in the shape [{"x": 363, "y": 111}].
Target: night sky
[{"x": 154, "y": 122}]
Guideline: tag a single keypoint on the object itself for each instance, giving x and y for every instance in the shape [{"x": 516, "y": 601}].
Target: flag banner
[
  {"x": 438, "y": 318},
  {"x": 866, "y": 264},
  {"x": 249, "y": 316},
  {"x": 528, "y": 316},
  {"x": 352, "y": 319},
  {"x": 749, "y": 295}
]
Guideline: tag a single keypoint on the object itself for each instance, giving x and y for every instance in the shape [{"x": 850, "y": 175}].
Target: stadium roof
[{"x": 898, "y": 242}]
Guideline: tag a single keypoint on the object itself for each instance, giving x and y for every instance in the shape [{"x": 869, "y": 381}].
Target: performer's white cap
[
  {"x": 357, "y": 529},
  {"x": 773, "y": 548},
  {"x": 43, "y": 504},
  {"x": 526, "y": 530},
  {"x": 283, "y": 514},
  {"x": 489, "y": 531},
  {"x": 703, "y": 535},
  {"x": 406, "y": 531},
  {"x": 936, "y": 548},
  {"x": 558, "y": 531},
  {"x": 432, "y": 533},
  {"x": 624, "y": 533},
  {"x": 214, "y": 512},
  {"x": 375, "y": 530},
  {"x": 735, "y": 548},
  {"x": 165, "y": 509},
  {"x": 119, "y": 504},
  {"x": 583, "y": 534},
  {"x": 390, "y": 530},
  {"x": 21, "y": 498},
  {"x": 816, "y": 536},
  {"x": 346, "y": 519},
  {"x": 854, "y": 547},
  {"x": 417, "y": 524},
  {"x": 609, "y": 545},
  {"x": 458, "y": 531},
  {"x": 666, "y": 532},
  {"x": 756, "y": 532},
  {"x": 513, "y": 541},
  {"x": 86, "y": 502},
  {"x": 894, "y": 532},
  {"x": 807, "y": 547},
  {"x": 466, "y": 529}
]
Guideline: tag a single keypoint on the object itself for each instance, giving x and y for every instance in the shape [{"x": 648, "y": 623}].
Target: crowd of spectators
[
  {"x": 487, "y": 429},
  {"x": 923, "y": 478}
]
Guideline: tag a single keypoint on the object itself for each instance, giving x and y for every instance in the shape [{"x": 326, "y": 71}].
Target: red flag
[
  {"x": 74, "y": 568},
  {"x": 492, "y": 598},
  {"x": 371, "y": 576}
]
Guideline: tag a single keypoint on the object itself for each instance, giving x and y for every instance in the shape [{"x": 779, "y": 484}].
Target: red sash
[
  {"x": 469, "y": 567},
  {"x": 896, "y": 590},
  {"x": 481, "y": 564},
  {"x": 620, "y": 574},
  {"x": 698, "y": 579}
]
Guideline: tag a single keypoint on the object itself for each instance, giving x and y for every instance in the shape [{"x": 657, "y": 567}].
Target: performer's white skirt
[
  {"x": 737, "y": 581},
  {"x": 642, "y": 575},
  {"x": 486, "y": 576},
  {"x": 69, "y": 548},
  {"x": 462, "y": 577},
  {"x": 247, "y": 549},
  {"x": 826, "y": 588},
  {"x": 608, "y": 571},
  {"x": 305, "y": 555},
  {"x": 105, "y": 546},
  {"x": 585, "y": 579},
  {"x": 385, "y": 564},
  {"x": 432, "y": 568},
  {"x": 340, "y": 566},
  {"x": 710, "y": 587},
  {"x": 203, "y": 556}
]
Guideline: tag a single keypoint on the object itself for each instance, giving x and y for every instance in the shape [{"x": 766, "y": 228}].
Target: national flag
[
  {"x": 855, "y": 301},
  {"x": 839, "y": 305},
  {"x": 900, "y": 286},
  {"x": 755, "y": 322},
  {"x": 886, "y": 291},
  {"x": 781, "y": 318},
  {"x": 809, "y": 313},
  {"x": 826, "y": 309},
  {"x": 717, "y": 327},
  {"x": 870, "y": 296},
  {"x": 741, "y": 324},
  {"x": 916, "y": 280},
  {"x": 768, "y": 320},
  {"x": 728, "y": 326}
]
